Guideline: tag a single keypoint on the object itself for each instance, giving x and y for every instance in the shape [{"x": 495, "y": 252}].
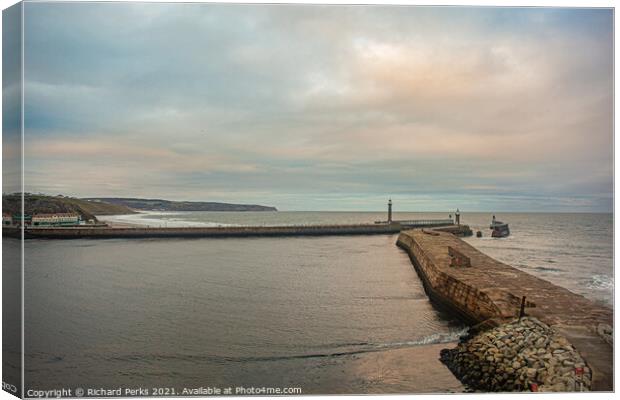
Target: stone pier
[
  {"x": 110, "y": 232},
  {"x": 483, "y": 290}
]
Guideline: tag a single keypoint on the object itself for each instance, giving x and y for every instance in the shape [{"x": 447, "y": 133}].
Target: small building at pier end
[{"x": 58, "y": 219}]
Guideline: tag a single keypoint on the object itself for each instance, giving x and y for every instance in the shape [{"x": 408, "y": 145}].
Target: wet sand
[
  {"x": 116, "y": 224},
  {"x": 407, "y": 370}
]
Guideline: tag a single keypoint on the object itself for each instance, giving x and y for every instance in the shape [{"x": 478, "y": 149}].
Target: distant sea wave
[{"x": 172, "y": 219}]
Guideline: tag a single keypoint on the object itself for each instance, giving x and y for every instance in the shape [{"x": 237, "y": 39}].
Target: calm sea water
[
  {"x": 284, "y": 312},
  {"x": 571, "y": 250},
  {"x": 294, "y": 312}
]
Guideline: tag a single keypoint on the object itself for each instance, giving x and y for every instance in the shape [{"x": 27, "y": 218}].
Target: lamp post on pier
[{"x": 390, "y": 211}]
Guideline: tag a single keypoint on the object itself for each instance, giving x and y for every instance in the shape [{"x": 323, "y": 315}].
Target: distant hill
[
  {"x": 42, "y": 204},
  {"x": 167, "y": 205}
]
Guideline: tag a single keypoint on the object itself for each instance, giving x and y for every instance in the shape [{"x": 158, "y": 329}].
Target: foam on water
[
  {"x": 171, "y": 219},
  {"x": 603, "y": 282}
]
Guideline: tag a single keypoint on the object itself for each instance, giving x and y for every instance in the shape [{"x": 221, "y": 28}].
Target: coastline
[
  {"x": 148, "y": 219},
  {"x": 117, "y": 224}
]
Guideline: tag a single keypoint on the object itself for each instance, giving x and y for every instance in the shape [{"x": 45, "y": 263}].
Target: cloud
[{"x": 291, "y": 104}]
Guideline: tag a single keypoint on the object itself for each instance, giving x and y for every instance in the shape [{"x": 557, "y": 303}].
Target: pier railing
[{"x": 426, "y": 222}]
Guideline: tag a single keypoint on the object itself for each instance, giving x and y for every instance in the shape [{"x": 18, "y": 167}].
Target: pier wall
[
  {"x": 150, "y": 232},
  {"x": 489, "y": 293},
  {"x": 466, "y": 300},
  {"x": 81, "y": 232}
]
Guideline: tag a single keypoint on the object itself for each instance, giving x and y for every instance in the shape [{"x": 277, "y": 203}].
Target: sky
[{"x": 322, "y": 107}]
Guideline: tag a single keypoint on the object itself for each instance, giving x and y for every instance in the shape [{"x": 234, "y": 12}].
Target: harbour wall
[
  {"x": 488, "y": 293},
  {"x": 470, "y": 303},
  {"x": 81, "y": 232}
]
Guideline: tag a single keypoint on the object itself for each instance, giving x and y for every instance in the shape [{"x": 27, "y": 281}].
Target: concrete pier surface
[
  {"x": 480, "y": 288},
  {"x": 81, "y": 232}
]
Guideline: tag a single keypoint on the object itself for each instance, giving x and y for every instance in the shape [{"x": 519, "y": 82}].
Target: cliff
[
  {"x": 168, "y": 205},
  {"x": 42, "y": 204}
]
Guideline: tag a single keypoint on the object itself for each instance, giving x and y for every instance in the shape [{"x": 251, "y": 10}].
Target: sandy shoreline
[
  {"x": 415, "y": 370},
  {"x": 115, "y": 224}
]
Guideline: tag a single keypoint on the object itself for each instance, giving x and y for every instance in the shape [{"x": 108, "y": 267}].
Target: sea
[{"x": 322, "y": 314}]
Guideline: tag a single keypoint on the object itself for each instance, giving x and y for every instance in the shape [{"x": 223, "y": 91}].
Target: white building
[
  {"x": 7, "y": 219},
  {"x": 56, "y": 219}
]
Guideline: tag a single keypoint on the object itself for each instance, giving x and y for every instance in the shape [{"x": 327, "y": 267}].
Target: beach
[{"x": 414, "y": 369}]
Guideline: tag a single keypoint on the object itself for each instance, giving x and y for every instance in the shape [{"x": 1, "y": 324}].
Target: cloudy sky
[{"x": 322, "y": 107}]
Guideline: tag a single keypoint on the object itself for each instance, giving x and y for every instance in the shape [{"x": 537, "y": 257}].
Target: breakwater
[
  {"x": 489, "y": 295},
  {"x": 524, "y": 354},
  {"x": 80, "y": 232}
]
